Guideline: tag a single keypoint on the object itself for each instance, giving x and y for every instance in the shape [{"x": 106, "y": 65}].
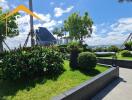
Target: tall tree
[
  {"x": 79, "y": 27},
  {"x": 7, "y": 29}
]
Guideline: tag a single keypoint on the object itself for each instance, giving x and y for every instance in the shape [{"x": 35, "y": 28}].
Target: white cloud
[
  {"x": 43, "y": 17},
  {"x": 4, "y": 5},
  {"x": 60, "y": 22},
  {"x": 118, "y": 34},
  {"x": 24, "y": 28},
  {"x": 59, "y": 11}
]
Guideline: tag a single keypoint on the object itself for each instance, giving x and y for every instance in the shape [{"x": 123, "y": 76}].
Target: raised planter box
[
  {"x": 90, "y": 88},
  {"x": 120, "y": 63}
]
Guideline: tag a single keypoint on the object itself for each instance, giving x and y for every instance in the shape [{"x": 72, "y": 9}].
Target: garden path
[{"x": 120, "y": 89}]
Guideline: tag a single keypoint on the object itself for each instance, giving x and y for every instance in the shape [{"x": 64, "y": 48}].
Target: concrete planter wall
[
  {"x": 88, "y": 89},
  {"x": 120, "y": 63}
]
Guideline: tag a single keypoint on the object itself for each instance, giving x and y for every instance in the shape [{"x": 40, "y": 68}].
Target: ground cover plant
[{"x": 46, "y": 87}]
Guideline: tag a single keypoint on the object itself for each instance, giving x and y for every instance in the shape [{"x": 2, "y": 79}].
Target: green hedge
[
  {"x": 87, "y": 61},
  {"x": 24, "y": 64}
]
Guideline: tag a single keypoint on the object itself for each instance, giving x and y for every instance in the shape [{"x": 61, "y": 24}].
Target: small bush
[
  {"x": 126, "y": 53},
  {"x": 87, "y": 61},
  {"x": 25, "y": 64}
]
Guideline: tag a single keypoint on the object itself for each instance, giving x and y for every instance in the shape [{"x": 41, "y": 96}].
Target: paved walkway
[{"x": 120, "y": 89}]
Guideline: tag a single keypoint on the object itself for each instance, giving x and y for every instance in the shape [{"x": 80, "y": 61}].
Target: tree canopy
[
  {"x": 12, "y": 27},
  {"x": 8, "y": 28},
  {"x": 79, "y": 27}
]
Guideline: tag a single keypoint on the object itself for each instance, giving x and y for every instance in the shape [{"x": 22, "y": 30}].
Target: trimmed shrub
[
  {"x": 87, "y": 61},
  {"x": 126, "y": 53},
  {"x": 24, "y": 64}
]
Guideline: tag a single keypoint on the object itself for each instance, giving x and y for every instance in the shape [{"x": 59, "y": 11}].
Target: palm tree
[{"x": 31, "y": 24}]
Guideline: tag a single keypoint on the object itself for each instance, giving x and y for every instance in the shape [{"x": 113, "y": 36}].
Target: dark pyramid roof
[{"x": 44, "y": 35}]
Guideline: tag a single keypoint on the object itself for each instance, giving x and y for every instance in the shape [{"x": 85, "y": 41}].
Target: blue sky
[
  {"x": 112, "y": 20},
  {"x": 101, "y": 11}
]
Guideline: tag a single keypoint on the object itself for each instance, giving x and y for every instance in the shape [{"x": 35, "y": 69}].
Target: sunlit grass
[
  {"x": 46, "y": 88},
  {"x": 119, "y": 57}
]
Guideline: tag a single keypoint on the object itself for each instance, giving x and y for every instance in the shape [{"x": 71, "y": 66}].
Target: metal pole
[{"x": 31, "y": 24}]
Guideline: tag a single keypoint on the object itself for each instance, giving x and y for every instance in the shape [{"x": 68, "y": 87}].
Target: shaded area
[
  {"x": 108, "y": 88},
  {"x": 46, "y": 87},
  {"x": 10, "y": 88},
  {"x": 120, "y": 63},
  {"x": 92, "y": 72}
]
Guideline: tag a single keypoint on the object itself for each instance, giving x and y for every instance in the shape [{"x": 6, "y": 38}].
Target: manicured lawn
[
  {"x": 45, "y": 88},
  {"x": 119, "y": 57}
]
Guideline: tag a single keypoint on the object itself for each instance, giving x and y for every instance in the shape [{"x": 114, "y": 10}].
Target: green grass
[
  {"x": 119, "y": 57},
  {"x": 45, "y": 89}
]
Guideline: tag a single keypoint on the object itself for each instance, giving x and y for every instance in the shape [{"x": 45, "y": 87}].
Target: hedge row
[{"x": 29, "y": 63}]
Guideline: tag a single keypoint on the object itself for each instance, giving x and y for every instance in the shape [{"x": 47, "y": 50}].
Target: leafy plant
[
  {"x": 24, "y": 64},
  {"x": 87, "y": 61}
]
